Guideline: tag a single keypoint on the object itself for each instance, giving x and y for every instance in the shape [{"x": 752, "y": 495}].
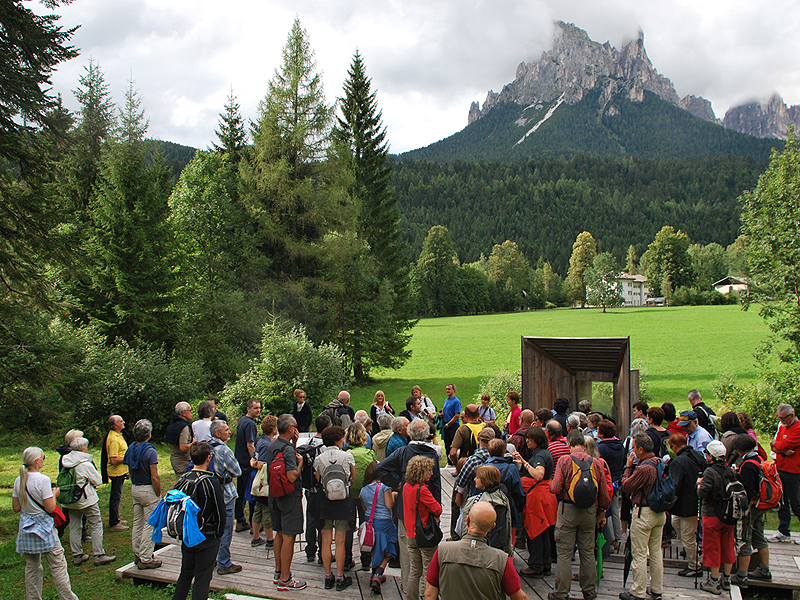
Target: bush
[
  {"x": 289, "y": 360},
  {"x": 136, "y": 383},
  {"x": 759, "y": 400},
  {"x": 690, "y": 296},
  {"x": 497, "y": 386}
]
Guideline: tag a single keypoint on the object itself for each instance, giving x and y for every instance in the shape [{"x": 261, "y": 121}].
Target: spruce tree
[
  {"x": 231, "y": 133},
  {"x": 361, "y": 152}
]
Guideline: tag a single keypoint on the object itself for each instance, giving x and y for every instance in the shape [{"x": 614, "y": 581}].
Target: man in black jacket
[
  {"x": 685, "y": 469},
  {"x": 397, "y": 463},
  {"x": 198, "y": 562}
]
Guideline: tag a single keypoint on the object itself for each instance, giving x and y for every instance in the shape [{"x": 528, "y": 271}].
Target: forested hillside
[
  {"x": 543, "y": 204},
  {"x": 653, "y": 128}
]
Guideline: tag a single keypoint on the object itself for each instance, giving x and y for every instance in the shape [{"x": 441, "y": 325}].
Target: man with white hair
[
  {"x": 179, "y": 438},
  {"x": 115, "y": 446},
  {"x": 399, "y": 435},
  {"x": 85, "y": 502},
  {"x": 226, "y": 467},
  {"x": 339, "y": 410}
]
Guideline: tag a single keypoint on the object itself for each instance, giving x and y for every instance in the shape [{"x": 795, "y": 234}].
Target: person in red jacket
[
  {"x": 418, "y": 471},
  {"x": 786, "y": 446}
]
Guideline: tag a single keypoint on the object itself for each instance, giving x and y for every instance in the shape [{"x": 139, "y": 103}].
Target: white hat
[{"x": 716, "y": 449}]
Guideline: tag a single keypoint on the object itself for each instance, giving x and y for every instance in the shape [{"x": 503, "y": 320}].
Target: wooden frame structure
[{"x": 553, "y": 367}]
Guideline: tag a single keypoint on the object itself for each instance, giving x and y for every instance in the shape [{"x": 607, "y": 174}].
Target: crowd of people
[{"x": 549, "y": 482}]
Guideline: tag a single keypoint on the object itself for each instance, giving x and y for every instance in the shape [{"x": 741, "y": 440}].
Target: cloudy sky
[{"x": 428, "y": 59}]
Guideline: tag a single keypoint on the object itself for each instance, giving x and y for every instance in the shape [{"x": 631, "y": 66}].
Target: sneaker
[
  {"x": 779, "y": 537},
  {"x": 628, "y": 596},
  {"x": 589, "y": 595},
  {"x": 119, "y": 527},
  {"x": 229, "y": 570},
  {"x": 652, "y": 595},
  {"x": 86, "y": 538},
  {"x": 292, "y": 584},
  {"x": 149, "y": 564},
  {"x": 711, "y": 586},
  {"x": 103, "y": 559},
  {"x": 241, "y": 526},
  {"x": 687, "y": 572},
  {"x": 276, "y": 577},
  {"x": 343, "y": 583},
  {"x": 79, "y": 559},
  {"x": 330, "y": 581},
  {"x": 760, "y": 575},
  {"x": 348, "y": 564},
  {"x": 528, "y": 572},
  {"x": 739, "y": 581},
  {"x": 725, "y": 583},
  {"x": 271, "y": 544},
  {"x": 374, "y": 585},
  {"x": 257, "y": 542},
  {"x": 310, "y": 558}
]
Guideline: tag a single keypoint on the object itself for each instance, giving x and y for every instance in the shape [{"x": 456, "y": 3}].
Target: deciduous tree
[
  {"x": 436, "y": 272},
  {"x": 668, "y": 255},
  {"x": 583, "y": 252},
  {"x": 602, "y": 287}
]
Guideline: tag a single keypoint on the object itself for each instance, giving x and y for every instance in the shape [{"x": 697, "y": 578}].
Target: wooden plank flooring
[{"x": 255, "y": 579}]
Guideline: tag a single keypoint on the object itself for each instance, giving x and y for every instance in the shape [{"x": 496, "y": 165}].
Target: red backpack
[
  {"x": 279, "y": 484},
  {"x": 770, "y": 488}
]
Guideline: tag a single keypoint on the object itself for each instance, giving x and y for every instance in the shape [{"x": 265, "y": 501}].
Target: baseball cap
[
  {"x": 687, "y": 417},
  {"x": 486, "y": 434},
  {"x": 716, "y": 449}
]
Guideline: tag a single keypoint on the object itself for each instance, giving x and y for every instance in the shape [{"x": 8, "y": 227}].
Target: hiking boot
[
  {"x": 589, "y": 595},
  {"x": 103, "y": 559},
  {"x": 349, "y": 564},
  {"x": 241, "y": 526},
  {"x": 725, "y": 583},
  {"x": 375, "y": 585},
  {"x": 740, "y": 581},
  {"x": 149, "y": 564},
  {"x": 528, "y": 572},
  {"x": 760, "y": 575},
  {"x": 119, "y": 527},
  {"x": 343, "y": 583},
  {"x": 711, "y": 586},
  {"x": 257, "y": 542},
  {"x": 292, "y": 585},
  {"x": 270, "y": 544},
  {"x": 689, "y": 572},
  {"x": 628, "y": 596},
  {"x": 779, "y": 537},
  {"x": 330, "y": 581},
  {"x": 79, "y": 559},
  {"x": 229, "y": 570}
]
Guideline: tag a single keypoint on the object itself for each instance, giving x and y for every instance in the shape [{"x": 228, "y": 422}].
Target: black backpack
[
  {"x": 176, "y": 510},
  {"x": 308, "y": 476}
]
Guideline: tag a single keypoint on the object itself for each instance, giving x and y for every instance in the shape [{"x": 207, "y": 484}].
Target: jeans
[
  {"x": 613, "y": 516},
  {"x": 198, "y": 563},
  {"x": 241, "y": 486},
  {"x": 116, "y": 496},
  {"x": 224, "y": 554},
  {"x": 791, "y": 500}
]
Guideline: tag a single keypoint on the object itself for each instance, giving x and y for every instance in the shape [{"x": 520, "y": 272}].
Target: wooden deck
[{"x": 255, "y": 580}]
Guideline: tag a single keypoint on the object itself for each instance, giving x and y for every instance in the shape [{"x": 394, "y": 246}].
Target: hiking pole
[{"x": 697, "y": 554}]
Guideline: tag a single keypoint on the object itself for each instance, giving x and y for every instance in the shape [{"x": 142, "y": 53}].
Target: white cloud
[{"x": 427, "y": 60}]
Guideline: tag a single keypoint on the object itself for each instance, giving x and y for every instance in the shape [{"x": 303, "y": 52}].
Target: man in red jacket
[{"x": 786, "y": 446}]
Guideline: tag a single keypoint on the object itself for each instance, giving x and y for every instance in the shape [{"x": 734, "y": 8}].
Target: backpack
[
  {"x": 582, "y": 489},
  {"x": 308, "y": 477},
  {"x": 339, "y": 415},
  {"x": 770, "y": 488},
  {"x": 500, "y": 536},
  {"x": 734, "y": 503},
  {"x": 663, "y": 495},
  {"x": 471, "y": 444},
  {"x": 67, "y": 482},
  {"x": 335, "y": 481},
  {"x": 176, "y": 511},
  {"x": 279, "y": 484}
]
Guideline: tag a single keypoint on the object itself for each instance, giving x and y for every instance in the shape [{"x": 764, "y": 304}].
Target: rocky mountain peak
[
  {"x": 577, "y": 64},
  {"x": 770, "y": 119}
]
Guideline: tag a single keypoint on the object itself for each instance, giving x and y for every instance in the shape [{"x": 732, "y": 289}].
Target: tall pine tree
[
  {"x": 360, "y": 150},
  {"x": 231, "y": 133}
]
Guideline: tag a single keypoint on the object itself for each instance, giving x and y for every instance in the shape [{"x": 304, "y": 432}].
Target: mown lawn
[{"x": 679, "y": 348}]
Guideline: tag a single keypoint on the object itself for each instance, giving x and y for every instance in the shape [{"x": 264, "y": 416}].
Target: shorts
[
  {"x": 261, "y": 514},
  {"x": 750, "y": 533},
  {"x": 286, "y": 514},
  {"x": 719, "y": 546},
  {"x": 337, "y": 524}
]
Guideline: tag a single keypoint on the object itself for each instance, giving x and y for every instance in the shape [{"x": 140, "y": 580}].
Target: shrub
[
  {"x": 289, "y": 360},
  {"x": 497, "y": 386},
  {"x": 759, "y": 400}
]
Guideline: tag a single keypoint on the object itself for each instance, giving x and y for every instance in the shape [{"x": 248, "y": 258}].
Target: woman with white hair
[
  {"x": 34, "y": 498},
  {"x": 86, "y": 503}
]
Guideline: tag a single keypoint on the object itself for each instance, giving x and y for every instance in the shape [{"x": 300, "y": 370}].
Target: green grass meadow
[{"x": 679, "y": 348}]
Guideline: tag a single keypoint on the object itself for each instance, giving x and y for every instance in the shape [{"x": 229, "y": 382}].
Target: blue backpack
[{"x": 663, "y": 496}]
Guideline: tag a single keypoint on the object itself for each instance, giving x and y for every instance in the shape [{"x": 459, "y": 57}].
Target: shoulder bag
[
  {"x": 426, "y": 536},
  {"x": 366, "y": 532}
]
